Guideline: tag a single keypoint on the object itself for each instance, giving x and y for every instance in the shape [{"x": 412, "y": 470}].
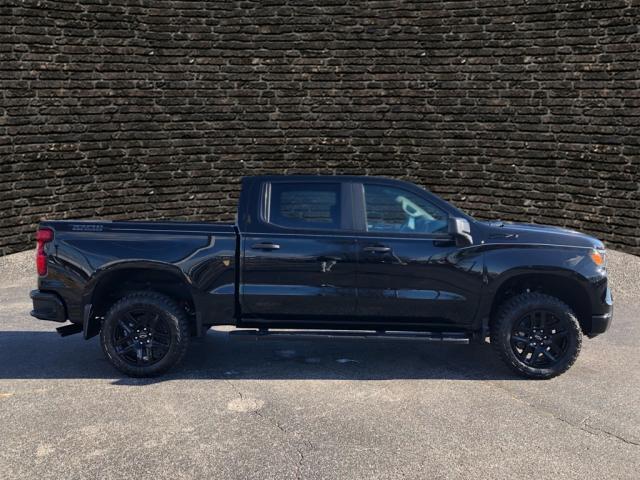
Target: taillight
[{"x": 43, "y": 236}]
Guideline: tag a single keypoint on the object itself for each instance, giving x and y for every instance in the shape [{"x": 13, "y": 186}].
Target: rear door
[
  {"x": 299, "y": 254},
  {"x": 410, "y": 271}
]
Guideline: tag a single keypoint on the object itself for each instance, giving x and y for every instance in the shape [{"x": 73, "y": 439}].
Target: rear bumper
[{"x": 48, "y": 306}]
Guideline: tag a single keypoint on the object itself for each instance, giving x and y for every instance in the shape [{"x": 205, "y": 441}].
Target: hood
[{"x": 498, "y": 232}]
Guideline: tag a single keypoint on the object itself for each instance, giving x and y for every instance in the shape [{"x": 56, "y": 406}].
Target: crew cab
[{"x": 346, "y": 255}]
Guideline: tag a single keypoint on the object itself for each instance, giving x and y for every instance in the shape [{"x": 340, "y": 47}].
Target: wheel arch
[
  {"x": 564, "y": 285},
  {"x": 112, "y": 283}
]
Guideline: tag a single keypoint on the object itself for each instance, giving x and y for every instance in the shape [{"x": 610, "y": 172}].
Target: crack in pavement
[
  {"x": 293, "y": 438},
  {"x": 235, "y": 389},
  {"x": 300, "y": 460},
  {"x": 588, "y": 427},
  {"x": 583, "y": 425}
]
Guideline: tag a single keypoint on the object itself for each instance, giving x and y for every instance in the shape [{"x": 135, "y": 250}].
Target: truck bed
[{"x": 88, "y": 254}]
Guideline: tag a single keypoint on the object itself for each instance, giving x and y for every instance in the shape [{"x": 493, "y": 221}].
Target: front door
[
  {"x": 410, "y": 271},
  {"x": 300, "y": 262}
]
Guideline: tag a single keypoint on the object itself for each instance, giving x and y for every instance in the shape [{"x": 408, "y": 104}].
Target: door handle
[
  {"x": 265, "y": 246},
  {"x": 377, "y": 249}
]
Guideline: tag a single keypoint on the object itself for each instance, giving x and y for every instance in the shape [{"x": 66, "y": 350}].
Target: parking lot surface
[{"x": 323, "y": 408}]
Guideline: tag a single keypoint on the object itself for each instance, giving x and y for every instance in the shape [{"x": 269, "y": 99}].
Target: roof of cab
[
  {"x": 257, "y": 179},
  {"x": 322, "y": 178}
]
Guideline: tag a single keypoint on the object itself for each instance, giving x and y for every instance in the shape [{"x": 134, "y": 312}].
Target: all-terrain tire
[
  {"x": 175, "y": 332},
  {"x": 510, "y": 350}
]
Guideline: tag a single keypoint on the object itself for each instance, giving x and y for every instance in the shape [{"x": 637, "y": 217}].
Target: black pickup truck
[{"x": 339, "y": 255}]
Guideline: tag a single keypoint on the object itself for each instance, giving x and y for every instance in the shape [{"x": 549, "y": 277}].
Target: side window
[
  {"x": 391, "y": 209},
  {"x": 305, "y": 205}
]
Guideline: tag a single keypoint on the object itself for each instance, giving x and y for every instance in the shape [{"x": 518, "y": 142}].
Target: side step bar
[{"x": 264, "y": 333}]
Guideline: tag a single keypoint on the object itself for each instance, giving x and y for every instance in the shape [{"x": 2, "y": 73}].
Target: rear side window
[
  {"x": 305, "y": 205},
  {"x": 394, "y": 210}
]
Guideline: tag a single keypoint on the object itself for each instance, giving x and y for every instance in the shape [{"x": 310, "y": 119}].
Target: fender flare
[
  {"x": 91, "y": 324},
  {"x": 496, "y": 283}
]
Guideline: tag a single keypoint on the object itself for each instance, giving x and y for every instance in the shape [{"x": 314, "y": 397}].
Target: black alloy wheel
[
  {"x": 142, "y": 337},
  {"x": 540, "y": 339},
  {"x": 144, "y": 334}
]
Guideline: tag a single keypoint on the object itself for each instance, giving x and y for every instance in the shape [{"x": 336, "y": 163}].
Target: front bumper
[
  {"x": 601, "y": 322},
  {"x": 48, "y": 306}
]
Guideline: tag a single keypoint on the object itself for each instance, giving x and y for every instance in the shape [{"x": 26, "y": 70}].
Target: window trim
[
  {"x": 344, "y": 200},
  {"x": 362, "y": 217}
]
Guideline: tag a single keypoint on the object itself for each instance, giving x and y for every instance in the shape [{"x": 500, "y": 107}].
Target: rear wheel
[
  {"x": 144, "y": 334},
  {"x": 537, "y": 335}
]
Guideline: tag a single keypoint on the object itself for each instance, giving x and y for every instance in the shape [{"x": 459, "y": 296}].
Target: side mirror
[{"x": 461, "y": 230}]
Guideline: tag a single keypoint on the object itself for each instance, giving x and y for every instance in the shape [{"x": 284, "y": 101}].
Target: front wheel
[
  {"x": 144, "y": 334},
  {"x": 537, "y": 335}
]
